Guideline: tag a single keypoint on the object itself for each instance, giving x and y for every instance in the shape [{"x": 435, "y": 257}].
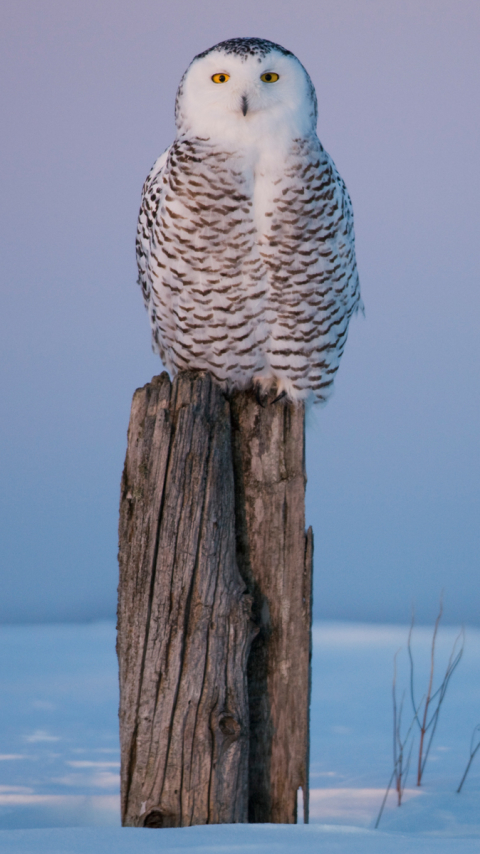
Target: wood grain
[
  {"x": 184, "y": 627},
  {"x": 275, "y": 558}
]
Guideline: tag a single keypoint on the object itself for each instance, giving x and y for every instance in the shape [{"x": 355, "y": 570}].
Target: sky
[{"x": 393, "y": 459}]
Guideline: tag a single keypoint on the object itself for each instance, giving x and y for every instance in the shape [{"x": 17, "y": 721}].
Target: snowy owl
[{"x": 245, "y": 242}]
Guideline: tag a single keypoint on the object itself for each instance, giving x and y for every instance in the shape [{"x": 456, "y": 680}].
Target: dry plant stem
[
  {"x": 399, "y": 773},
  {"x": 426, "y": 724},
  {"x": 441, "y": 691},
  {"x": 430, "y": 723},
  {"x": 397, "y": 759},
  {"x": 423, "y": 727},
  {"x": 473, "y": 751},
  {"x": 395, "y": 771},
  {"x": 389, "y": 786},
  {"x": 400, "y": 769}
]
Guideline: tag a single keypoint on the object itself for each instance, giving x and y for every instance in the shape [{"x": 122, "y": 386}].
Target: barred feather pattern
[{"x": 249, "y": 274}]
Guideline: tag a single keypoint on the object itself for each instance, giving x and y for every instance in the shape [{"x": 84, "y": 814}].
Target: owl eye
[
  {"x": 220, "y": 78},
  {"x": 270, "y": 77}
]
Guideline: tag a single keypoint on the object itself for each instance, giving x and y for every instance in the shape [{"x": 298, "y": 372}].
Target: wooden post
[
  {"x": 184, "y": 627},
  {"x": 275, "y": 558},
  {"x": 211, "y": 521}
]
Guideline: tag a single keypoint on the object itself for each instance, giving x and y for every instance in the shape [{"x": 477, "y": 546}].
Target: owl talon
[
  {"x": 279, "y": 397},
  {"x": 260, "y": 395}
]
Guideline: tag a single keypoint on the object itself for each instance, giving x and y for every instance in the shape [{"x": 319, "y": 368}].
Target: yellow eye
[
  {"x": 270, "y": 77},
  {"x": 220, "y": 78}
]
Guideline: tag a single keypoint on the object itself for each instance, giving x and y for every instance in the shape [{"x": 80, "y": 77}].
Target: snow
[
  {"x": 59, "y": 757},
  {"x": 234, "y": 839}
]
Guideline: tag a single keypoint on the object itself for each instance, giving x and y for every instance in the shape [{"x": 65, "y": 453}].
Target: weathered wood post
[
  {"x": 275, "y": 557},
  {"x": 211, "y": 536},
  {"x": 184, "y": 625}
]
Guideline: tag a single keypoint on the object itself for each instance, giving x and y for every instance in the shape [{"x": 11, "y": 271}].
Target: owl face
[{"x": 246, "y": 88}]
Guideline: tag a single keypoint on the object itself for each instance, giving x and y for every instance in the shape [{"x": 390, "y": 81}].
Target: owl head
[{"x": 244, "y": 88}]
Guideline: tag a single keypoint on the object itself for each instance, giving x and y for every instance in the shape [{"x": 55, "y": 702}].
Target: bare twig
[
  {"x": 389, "y": 786},
  {"x": 473, "y": 751},
  {"x": 423, "y": 727},
  {"x": 425, "y": 714},
  {"x": 433, "y": 699},
  {"x": 400, "y": 771},
  {"x": 410, "y": 656},
  {"x": 453, "y": 661}
]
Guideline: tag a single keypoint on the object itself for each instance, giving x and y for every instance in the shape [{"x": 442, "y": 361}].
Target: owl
[{"x": 245, "y": 243}]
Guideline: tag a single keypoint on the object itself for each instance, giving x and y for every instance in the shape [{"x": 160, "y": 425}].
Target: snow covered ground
[{"x": 59, "y": 758}]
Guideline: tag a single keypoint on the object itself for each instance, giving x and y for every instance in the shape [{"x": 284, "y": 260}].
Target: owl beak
[{"x": 244, "y": 105}]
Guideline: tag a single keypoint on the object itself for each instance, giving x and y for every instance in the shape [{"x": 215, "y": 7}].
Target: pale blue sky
[{"x": 393, "y": 460}]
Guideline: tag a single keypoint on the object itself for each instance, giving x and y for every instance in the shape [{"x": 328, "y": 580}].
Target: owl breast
[{"x": 247, "y": 264}]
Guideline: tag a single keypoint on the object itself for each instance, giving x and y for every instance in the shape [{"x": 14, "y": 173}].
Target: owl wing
[
  {"x": 151, "y": 199},
  {"x": 338, "y": 286},
  {"x": 310, "y": 252},
  {"x": 343, "y": 245}
]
